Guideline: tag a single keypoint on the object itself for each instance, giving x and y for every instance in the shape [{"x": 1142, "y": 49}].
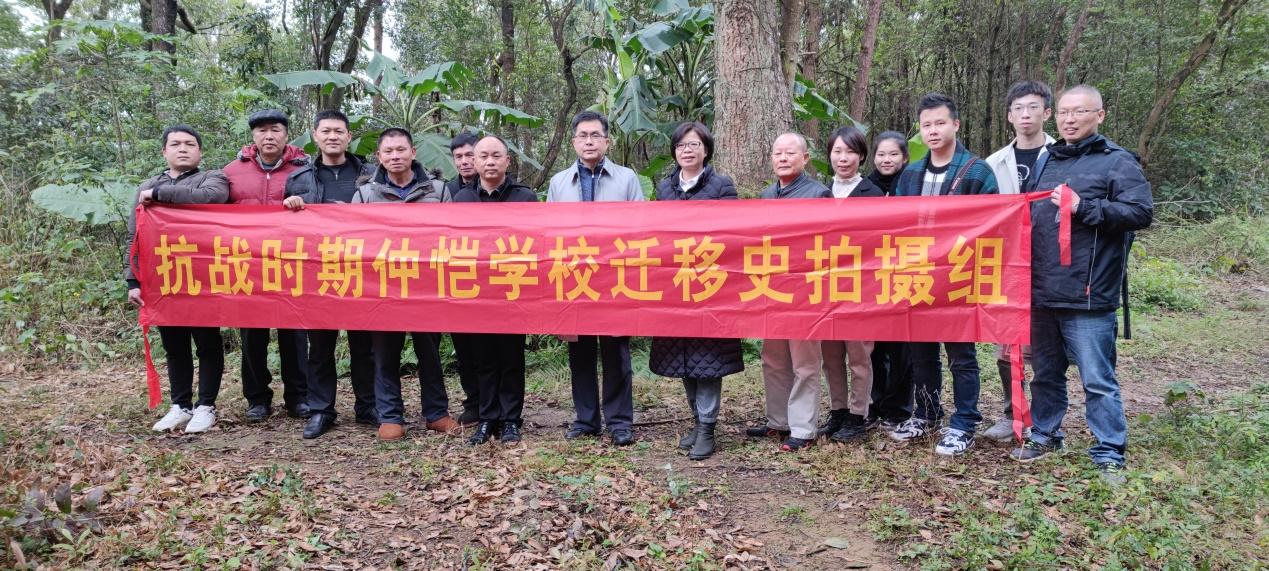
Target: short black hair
[
  {"x": 394, "y": 132},
  {"x": 331, "y": 114},
  {"x": 1029, "y": 87},
  {"x": 854, "y": 139},
  {"x": 182, "y": 128},
  {"x": 701, "y": 131},
  {"x": 463, "y": 139},
  {"x": 588, "y": 115},
  {"x": 895, "y": 136},
  {"x": 935, "y": 100}
]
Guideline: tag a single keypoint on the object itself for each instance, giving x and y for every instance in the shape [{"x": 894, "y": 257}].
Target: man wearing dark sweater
[{"x": 948, "y": 169}]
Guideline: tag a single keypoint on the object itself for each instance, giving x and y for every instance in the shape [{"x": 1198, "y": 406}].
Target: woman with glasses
[{"x": 701, "y": 363}]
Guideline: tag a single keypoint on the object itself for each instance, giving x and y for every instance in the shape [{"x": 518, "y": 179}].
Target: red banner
[{"x": 906, "y": 269}]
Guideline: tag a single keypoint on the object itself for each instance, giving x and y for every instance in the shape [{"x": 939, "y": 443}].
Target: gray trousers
[{"x": 705, "y": 397}]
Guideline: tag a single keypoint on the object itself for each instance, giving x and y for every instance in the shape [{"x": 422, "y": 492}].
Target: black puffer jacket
[
  {"x": 681, "y": 357},
  {"x": 1115, "y": 200}
]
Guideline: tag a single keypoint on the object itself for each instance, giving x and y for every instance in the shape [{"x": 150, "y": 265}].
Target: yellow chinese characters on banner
[{"x": 834, "y": 269}]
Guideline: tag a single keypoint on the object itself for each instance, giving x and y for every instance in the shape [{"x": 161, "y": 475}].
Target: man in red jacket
[{"x": 258, "y": 176}]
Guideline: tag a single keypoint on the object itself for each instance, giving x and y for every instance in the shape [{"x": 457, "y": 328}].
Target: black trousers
[
  {"x": 389, "y": 406},
  {"x": 499, "y": 369},
  {"x": 466, "y": 370},
  {"x": 584, "y": 355},
  {"x": 323, "y": 376},
  {"x": 180, "y": 363},
  {"x": 891, "y": 381},
  {"x": 293, "y": 350}
]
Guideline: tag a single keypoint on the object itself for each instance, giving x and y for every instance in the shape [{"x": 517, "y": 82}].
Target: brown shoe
[
  {"x": 446, "y": 425},
  {"x": 388, "y": 431}
]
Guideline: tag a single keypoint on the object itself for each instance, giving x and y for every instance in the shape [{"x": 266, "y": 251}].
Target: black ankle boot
[
  {"x": 703, "y": 446},
  {"x": 688, "y": 439}
]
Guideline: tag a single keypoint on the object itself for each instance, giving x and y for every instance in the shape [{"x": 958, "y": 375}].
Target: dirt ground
[{"x": 258, "y": 496}]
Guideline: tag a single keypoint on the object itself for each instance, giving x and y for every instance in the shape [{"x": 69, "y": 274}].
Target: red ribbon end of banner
[
  {"x": 1064, "y": 224},
  {"x": 1018, "y": 401}
]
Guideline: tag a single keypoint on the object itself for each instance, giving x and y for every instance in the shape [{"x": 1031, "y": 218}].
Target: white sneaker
[
  {"x": 910, "y": 429},
  {"x": 204, "y": 419},
  {"x": 954, "y": 442},
  {"x": 175, "y": 418},
  {"x": 1002, "y": 431}
]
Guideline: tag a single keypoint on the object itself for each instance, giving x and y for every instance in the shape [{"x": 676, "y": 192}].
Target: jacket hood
[
  {"x": 290, "y": 153},
  {"x": 1096, "y": 144}
]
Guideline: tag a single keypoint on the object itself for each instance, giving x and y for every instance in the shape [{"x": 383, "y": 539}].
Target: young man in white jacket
[{"x": 1028, "y": 106}]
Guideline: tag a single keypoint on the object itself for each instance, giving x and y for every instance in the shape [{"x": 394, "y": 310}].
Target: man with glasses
[
  {"x": 1028, "y": 106},
  {"x": 594, "y": 178},
  {"x": 1073, "y": 304}
]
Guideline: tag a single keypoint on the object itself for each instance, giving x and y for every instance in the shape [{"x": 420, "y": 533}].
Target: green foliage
[
  {"x": 1225, "y": 244},
  {"x": 1163, "y": 283},
  {"x": 414, "y": 102},
  {"x": 92, "y": 205}
]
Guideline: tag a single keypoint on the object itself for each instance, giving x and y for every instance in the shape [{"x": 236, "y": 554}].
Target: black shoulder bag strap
[{"x": 956, "y": 182}]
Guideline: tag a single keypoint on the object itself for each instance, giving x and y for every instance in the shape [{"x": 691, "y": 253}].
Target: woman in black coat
[{"x": 701, "y": 363}]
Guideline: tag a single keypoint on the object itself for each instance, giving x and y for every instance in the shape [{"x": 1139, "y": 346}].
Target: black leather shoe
[
  {"x": 469, "y": 417},
  {"x": 299, "y": 411},
  {"x": 510, "y": 432},
  {"x": 623, "y": 437},
  {"x": 578, "y": 432},
  {"x": 318, "y": 424},
  {"x": 689, "y": 439},
  {"x": 484, "y": 431},
  {"x": 258, "y": 412},
  {"x": 368, "y": 419}
]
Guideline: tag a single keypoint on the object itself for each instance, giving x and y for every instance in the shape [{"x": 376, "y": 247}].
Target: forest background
[{"x": 86, "y": 86}]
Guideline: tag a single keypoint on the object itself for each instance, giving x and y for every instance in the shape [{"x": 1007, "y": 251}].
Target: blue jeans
[
  {"x": 927, "y": 378},
  {"x": 1058, "y": 337}
]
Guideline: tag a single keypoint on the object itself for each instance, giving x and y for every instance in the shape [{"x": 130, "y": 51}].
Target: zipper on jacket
[{"x": 1088, "y": 285}]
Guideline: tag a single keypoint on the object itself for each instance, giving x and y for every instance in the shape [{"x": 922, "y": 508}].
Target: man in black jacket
[
  {"x": 462, "y": 149},
  {"x": 1073, "y": 306},
  {"x": 332, "y": 179},
  {"x": 498, "y": 358}
]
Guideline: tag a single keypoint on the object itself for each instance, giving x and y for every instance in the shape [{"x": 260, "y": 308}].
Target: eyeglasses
[
  {"x": 690, "y": 145},
  {"x": 1033, "y": 107},
  {"x": 1077, "y": 113},
  {"x": 592, "y": 136}
]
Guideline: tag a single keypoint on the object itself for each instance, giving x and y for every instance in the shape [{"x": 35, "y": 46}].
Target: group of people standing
[{"x": 888, "y": 386}]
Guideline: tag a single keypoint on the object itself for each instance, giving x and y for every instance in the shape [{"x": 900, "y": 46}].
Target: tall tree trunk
[
  {"x": 103, "y": 10},
  {"x": 361, "y": 16},
  {"x": 507, "y": 58},
  {"x": 811, "y": 54},
  {"x": 1052, "y": 36},
  {"x": 867, "y": 47},
  {"x": 752, "y": 102},
  {"x": 163, "y": 21},
  {"x": 1072, "y": 40},
  {"x": 989, "y": 100},
  {"x": 377, "y": 101},
  {"x": 55, "y": 10},
  {"x": 1154, "y": 122},
  {"x": 790, "y": 37},
  {"x": 563, "y": 116}
]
